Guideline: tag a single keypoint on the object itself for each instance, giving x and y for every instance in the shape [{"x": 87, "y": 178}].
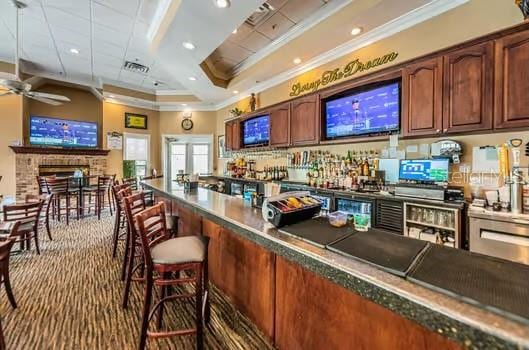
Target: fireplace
[{"x": 62, "y": 170}]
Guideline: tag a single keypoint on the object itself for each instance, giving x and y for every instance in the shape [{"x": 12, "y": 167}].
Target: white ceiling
[{"x": 108, "y": 32}]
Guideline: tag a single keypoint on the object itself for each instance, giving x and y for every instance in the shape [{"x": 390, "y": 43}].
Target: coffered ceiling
[{"x": 105, "y": 33}]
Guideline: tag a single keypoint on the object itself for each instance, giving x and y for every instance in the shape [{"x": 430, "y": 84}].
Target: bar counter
[{"x": 292, "y": 290}]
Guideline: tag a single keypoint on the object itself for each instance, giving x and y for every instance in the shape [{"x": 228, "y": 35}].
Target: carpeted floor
[{"x": 69, "y": 298}]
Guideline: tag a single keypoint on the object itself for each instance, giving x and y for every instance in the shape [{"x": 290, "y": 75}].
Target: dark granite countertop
[{"x": 470, "y": 325}]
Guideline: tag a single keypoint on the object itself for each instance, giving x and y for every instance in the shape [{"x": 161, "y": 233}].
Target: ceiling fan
[{"x": 14, "y": 85}]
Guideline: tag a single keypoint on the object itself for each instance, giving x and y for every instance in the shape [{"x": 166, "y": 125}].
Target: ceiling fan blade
[
  {"x": 5, "y": 93},
  {"x": 45, "y": 100},
  {"x": 8, "y": 76},
  {"x": 14, "y": 85},
  {"x": 48, "y": 96}
]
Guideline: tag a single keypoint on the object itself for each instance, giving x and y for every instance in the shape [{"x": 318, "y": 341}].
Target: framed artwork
[
  {"x": 135, "y": 121},
  {"x": 221, "y": 145}
]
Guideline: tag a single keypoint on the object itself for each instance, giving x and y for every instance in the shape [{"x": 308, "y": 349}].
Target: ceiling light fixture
[
  {"x": 184, "y": 104},
  {"x": 192, "y": 78},
  {"x": 356, "y": 31},
  {"x": 235, "y": 92},
  {"x": 234, "y": 31},
  {"x": 222, "y": 4},
  {"x": 111, "y": 96},
  {"x": 297, "y": 60},
  {"x": 188, "y": 45},
  {"x": 74, "y": 51}
]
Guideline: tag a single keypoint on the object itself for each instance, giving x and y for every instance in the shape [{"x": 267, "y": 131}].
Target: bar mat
[
  {"x": 317, "y": 231},
  {"x": 499, "y": 285},
  {"x": 391, "y": 252}
]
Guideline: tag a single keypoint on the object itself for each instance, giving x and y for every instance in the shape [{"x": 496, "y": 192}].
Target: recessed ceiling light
[
  {"x": 74, "y": 51},
  {"x": 111, "y": 96},
  {"x": 356, "y": 31},
  {"x": 184, "y": 104},
  {"x": 188, "y": 45},
  {"x": 297, "y": 60},
  {"x": 222, "y": 4},
  {"x": 235, "y": 92},
  {"x": 234, "y": 31},
  {"x": 192, "y": 78}
]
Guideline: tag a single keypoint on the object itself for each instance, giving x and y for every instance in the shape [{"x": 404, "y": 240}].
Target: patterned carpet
[{"x": 69, "y": 298}]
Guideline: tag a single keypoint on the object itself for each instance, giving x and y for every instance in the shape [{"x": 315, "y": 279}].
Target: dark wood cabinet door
[
  {"x": 228, "y": 137},
  {"x": 468, "y": 89},
  {"x": 280, "y": 126},
  {"x": 422, "y": 90},
  {"x": 305, "y": 121},
  {"x": 512, "y": 81},
  {"x": 236, "y": 135}
]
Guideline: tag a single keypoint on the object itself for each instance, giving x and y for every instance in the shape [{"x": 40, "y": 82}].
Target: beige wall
[
  {"x": 84, "y": 106},
  {"x": 11, "y": 110},
  {"x": 204, "y": 123},
  {"x": 114, "y": 120}
]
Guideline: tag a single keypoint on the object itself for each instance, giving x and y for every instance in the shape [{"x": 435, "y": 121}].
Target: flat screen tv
[
  {"x": 45, "y": 131},
  {"x": 256, "y": 131},
  {"x": 373, "y": 109},
  {"x": 424, "y": 170}
]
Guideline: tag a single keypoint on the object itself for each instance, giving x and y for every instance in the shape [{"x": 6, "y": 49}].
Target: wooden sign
[{"x": 337, "y": 74}]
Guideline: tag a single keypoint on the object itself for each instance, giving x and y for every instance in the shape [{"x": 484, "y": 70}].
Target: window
[
  {"x": 136, "y": 147},
  {"x": 178, "y": 158},
  {"x": 201, "y": 159}
]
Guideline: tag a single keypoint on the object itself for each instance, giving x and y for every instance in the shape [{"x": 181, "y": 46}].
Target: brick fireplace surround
[{"x": 27, "y": 168}]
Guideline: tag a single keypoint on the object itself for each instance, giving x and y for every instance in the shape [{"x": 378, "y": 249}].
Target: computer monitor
[{"x": 424, "y": 170}]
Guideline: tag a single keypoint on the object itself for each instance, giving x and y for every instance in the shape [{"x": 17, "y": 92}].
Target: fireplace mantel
[{"x": 65, "y": 151}]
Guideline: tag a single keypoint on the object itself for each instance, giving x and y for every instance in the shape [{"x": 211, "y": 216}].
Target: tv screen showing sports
[
  {"x": 435, "y": 170},
  {"x": 45, "y": 131},
  {"x": 367, "y": 111},
  {"x": 256, "y": 131}
]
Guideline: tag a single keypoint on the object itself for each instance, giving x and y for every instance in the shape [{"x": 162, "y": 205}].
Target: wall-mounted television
[
  {"x": 424, "y": 170},
  {"x": 256, "y": 131},
  {"x": 368, "y": 110},
  {"x": 46, "y": 131}
]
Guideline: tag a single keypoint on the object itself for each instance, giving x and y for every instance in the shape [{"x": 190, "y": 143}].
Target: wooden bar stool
[
  {"x": 100, "y": 191},
  {"x": 59, "y": 189},
  {"x": 5, "y": 253},
  {"x": 121, "y": 221},
  {"x": 28, "y": 214},
  {"x": 163, "y": 257}
]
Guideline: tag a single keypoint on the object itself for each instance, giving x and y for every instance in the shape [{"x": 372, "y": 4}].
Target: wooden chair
[
  {"x": 5, "y": 253},
  {"x": 59, "y": 189},
  {"x": 102, "y": 189},
  {"x": 28, "y": 214},
  {"x": 31, "y": 198},
  {"x": 132, "y": 182},
  {"x": 121, "y": 220},
  {"x": 163, "y": 257}
]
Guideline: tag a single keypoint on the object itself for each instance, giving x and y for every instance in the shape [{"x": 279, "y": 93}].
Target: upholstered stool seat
[{"x": 179, "y": 250}]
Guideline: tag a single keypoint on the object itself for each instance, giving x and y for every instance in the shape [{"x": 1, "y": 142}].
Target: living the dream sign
[{"x": 337, "y": 74}]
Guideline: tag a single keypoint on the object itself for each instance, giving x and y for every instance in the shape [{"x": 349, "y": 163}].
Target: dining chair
[
  {"x": 28, "y": 214},
  {"x": 5, "y": 253},
  {"x": 60, "y": 189},
  {"x": 163, "y": 258}
]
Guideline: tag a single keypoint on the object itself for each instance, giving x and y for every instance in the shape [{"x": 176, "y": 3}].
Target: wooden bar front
[{"x": 296, "y": 308}]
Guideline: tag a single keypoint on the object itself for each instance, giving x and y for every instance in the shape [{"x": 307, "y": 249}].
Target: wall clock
[{"x": 187, "y": 124}]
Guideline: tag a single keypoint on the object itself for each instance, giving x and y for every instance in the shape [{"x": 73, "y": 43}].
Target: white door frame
[{"x": 186, "y": 139}]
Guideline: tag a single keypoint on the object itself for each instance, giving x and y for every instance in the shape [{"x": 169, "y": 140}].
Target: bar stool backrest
[
  {"x": 132, "y": 205},
  {"x": 26, "y": 213},
  {"x": 104, "y": 182},
  {"x": 43, "y": 187},
  {"x": 152, "y": 229},
  {"x": 132, "y": 182},
  {"x": 57, "y": 185}
]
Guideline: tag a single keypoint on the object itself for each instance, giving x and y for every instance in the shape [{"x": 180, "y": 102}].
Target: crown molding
[
  {"x": 388, "y": 29},
  {"x": 156, "y": 106},
  {"x": 172, "y": 92},
  {"x": 314, "y": 19}
]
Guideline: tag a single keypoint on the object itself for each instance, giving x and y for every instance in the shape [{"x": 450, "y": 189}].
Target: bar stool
[
  {"x": 5, "y": 253},
  {"x": 59, "y": 188},
  {"x": 101, "y": 190},
  {"x": 28, "y": 215},
  {"x": 164, "y": 256},
  {"x": 121, "y": 220}
]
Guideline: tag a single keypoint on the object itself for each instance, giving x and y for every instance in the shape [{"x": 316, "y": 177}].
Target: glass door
[{"x": 177, "y": 162}]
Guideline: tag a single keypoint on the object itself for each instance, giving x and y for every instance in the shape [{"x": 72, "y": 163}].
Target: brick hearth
[{"x": 27, "y": 168}]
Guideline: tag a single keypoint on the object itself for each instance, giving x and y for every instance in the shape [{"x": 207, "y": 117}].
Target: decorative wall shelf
[{"x": 65, "y": 151}]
